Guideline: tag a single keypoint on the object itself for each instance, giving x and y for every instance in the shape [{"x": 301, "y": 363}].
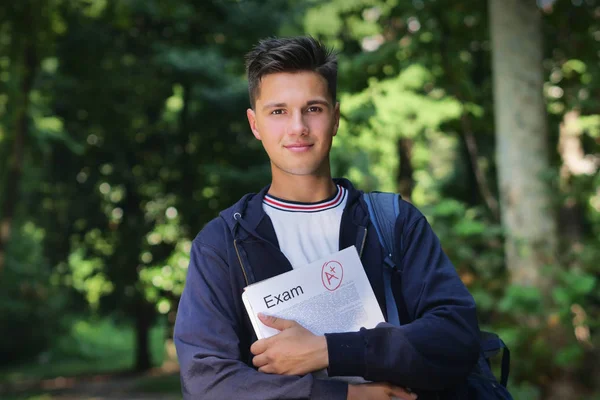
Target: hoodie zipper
[
  {"x": 240, "y": 260},
  {"x": 362, "y": 245}
]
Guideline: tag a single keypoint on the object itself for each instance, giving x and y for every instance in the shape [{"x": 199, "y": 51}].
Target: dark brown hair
[{"x": 301, "y": 53}]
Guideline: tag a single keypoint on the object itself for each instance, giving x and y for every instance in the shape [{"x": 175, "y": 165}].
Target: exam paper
[{"x": 330, "y": 295}]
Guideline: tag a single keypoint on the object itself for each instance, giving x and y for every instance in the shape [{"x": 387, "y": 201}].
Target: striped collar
[{"x": 294, "y": 206}]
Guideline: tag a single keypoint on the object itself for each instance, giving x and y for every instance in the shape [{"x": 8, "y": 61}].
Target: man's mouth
[{"x": 298, "y": 147}]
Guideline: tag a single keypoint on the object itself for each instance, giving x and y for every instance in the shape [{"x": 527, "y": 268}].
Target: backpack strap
[
  {"x": 384, "y": 210},
  {"x": 491, "y": 344}
]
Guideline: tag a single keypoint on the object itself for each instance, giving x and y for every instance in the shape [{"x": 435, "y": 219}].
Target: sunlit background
[{"x": 123, "y": 131}]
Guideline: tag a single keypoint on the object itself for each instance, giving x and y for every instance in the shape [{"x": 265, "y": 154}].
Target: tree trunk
[
  {"x": 406, "y": 182},
  {"x": 482, "y": 183},
  {"x": 522, "y": 160},
  {"x": 15, "y": 161},
  {"x": 521, "y": 140},
  {"x": 140, "y": 309},
  {"x": 143, "y": 323}
]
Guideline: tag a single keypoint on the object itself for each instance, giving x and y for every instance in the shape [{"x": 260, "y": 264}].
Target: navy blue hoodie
[{"x": 432, "y": 353}]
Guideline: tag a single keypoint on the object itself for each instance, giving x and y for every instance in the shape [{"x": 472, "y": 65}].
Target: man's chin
[{"x": 301, "y": 171}]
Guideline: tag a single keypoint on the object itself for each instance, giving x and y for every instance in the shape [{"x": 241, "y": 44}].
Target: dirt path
[
  {"x": 113, "y": 389},
  {"x": 158, "y": 384}
]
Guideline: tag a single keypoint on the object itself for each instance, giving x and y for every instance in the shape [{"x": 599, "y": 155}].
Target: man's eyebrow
[
  {"x": 308, "y": 103},
  {"x": 318, "y": 101},
  {"x": 272, "y": 105}
]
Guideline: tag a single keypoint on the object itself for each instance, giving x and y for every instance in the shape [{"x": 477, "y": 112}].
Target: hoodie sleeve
[
  {"x": 440, "y": 347},
  {"x": 208, "y": 347}
]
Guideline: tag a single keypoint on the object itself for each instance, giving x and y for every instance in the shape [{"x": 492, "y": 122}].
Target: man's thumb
[{"x": 275, "y": 322}]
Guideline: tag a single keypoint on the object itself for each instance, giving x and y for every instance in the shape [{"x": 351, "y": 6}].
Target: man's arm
[
  {"x": 440, "y": 347},
  {"x": 297, "y": 351},
  {"x": 207, "y": 342}
]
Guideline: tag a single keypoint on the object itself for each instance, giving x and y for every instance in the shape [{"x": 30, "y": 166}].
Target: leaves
[{"x": 138, "y": 138}]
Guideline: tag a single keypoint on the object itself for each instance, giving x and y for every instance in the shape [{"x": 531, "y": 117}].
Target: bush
[{"x": 30, "y": 305}]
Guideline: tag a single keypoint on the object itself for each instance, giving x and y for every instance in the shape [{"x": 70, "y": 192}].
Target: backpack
[{"x": 481, "y": 383}]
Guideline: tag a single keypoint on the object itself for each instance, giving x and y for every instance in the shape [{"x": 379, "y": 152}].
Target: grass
[
  {"x": 92, "y": 347},
  {"x": 28, "y": 396},
  {"x": 165, "y": 384},
  {"x": 37, "y": 372},
  {"x": 159, "y": 384}
]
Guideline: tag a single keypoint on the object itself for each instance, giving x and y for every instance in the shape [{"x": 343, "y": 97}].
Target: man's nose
[{"x": 298, "y": 124}]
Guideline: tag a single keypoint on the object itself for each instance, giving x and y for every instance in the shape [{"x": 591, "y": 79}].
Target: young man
[{"x": 301, "y": 216}]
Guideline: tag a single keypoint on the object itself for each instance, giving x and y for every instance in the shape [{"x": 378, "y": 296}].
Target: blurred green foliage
[
  {"x": 89, "y": 346},
  {"x": 137, "y": 138},
  {"x": 28, "y": 298}
]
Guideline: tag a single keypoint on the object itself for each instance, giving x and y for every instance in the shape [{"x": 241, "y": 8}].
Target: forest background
[{"x": 123, "y": 131}]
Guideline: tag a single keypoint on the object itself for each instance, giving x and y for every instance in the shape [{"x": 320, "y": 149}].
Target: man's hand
[
  {"x": 293, "y": 351},
  {"x": 378, "y": 391}
]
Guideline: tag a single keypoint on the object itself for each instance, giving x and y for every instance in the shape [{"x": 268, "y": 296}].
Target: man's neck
[{"x": 304, "y": 189}]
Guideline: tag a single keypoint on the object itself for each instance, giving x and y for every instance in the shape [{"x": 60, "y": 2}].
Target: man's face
[{"x": 295, "y": 119}]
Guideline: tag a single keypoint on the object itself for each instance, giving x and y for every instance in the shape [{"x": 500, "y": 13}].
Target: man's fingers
[
  {"x": 260, "y": 360},
  {"x": 259, "y": 347},
  {"x": 275, "y": 322},
  {"x": 402, "y": 393}
]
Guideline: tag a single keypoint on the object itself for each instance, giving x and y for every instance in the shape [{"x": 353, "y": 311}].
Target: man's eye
[
  {"x": 277, "y": 112},
  {"x": 314, "y": 109}
]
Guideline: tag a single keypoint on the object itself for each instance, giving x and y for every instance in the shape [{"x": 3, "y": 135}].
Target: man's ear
[
  {"x": 336, "y": 116},
  {"x": 252, "y": 121}
]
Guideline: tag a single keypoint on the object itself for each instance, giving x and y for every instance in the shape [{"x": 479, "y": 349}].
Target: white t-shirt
[{"x": 307, "y": 231}]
